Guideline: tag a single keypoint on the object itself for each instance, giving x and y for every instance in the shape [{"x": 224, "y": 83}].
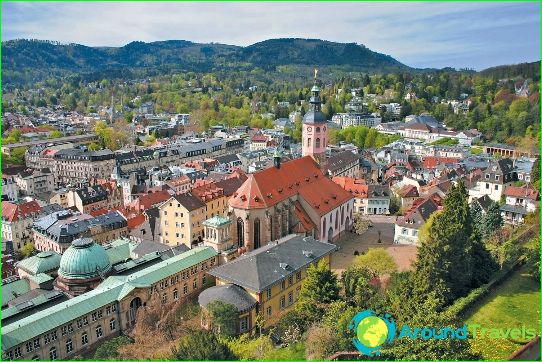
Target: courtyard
[{"x": 404, "y": 255}]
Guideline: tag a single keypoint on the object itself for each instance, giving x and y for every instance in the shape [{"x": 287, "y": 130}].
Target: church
[{"x": 294, "y": 197}]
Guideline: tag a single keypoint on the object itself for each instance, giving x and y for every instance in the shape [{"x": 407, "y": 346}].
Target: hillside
[
  {"x": 525, "y": 70},
  {"x": 25, "y": 61}
]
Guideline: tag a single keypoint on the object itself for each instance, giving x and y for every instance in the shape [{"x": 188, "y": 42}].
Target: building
[
  {"x": 10, "y": 192},
  {"x": 344, "y": 163},
  {"x": 294, "y": 197},
  {"x": 356, "y": 119},
  {"x": 368, "y": 199},
  {"x": 181, "y": 220},
  {"x": 519, "y": 202},
  {"x": 216, "y": 203},
  {"x": 35, "y": 181},
  {"x": 79, "y": 165},
  {"x": 408, "y": 226},
  {"x": 495, "y": 178},
  {"x": 53, "y": 327},
  {"x": 17, "y": 220},
  {"x": 179, "y": 184},
  {"x": 258, "y": 142},
  {"x": 314, "y": 132},
  {"x": 266, "y": 281},
  {"x": 88, "y": 199},
  {"x": 408, "y": 194},
  {"x": 57, "y": 230}
]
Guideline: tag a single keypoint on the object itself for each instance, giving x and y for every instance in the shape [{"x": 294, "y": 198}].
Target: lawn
[
  {"x": 294, "y": 352},
  {"x": 514, "y": 303}
]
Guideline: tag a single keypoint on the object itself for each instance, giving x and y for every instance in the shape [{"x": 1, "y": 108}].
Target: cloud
[{"x": 418, "y": 34}]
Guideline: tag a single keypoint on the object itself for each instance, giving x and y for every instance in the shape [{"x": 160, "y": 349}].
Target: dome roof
[
  {"x": 84, "y": 259},
  {"x": 314, "y": 117},
  {"x": 229, "y": 294},
  {"x": 44, "y": 262}
]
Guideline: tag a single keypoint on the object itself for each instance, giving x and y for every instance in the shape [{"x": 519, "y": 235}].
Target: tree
[
  {"x": 426, "y": 314},
  {"x": 377, "y": 261},
  {"x": 360, "y": 223},
  {"x": 320, "y": 343},
  {"x": 224, "y": 317},
  {"x": 447, "y": 249},
  {"x": 357, "y": 286},
  {"x": 26, "y": 251},
  {"x": 491, "y": 221},
  {"x": 202, "y": 345},
  {"x": 109, "y": 350},
  {"x": 535, "y": 171},
  {"x": 337, "y": 318},
  {"x": 477, "y": 217},
  {"x": 55, "y": 134},
  {"x": 246, "y": 348},
  {"x": 94, "y": 147},
  {"x": 320, "y": 285}
]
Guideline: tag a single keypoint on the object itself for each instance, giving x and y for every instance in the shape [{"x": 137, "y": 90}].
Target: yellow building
[
  {"x": 181, "y": 220},
  {"x": 266, "y": 281},
  {"x": 216, "y": 202}
]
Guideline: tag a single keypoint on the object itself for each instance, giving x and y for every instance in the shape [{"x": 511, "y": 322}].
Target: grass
[
  {"x": 512, "y": 304},
  {"x": 294, "y": 352}
]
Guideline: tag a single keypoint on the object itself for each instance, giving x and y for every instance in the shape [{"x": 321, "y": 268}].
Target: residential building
[
  {"x": 57, "y": 230},
  {"x": 368, "y": 199},
  {"x": 35, "y": 181},
  {"x": 17, "y": 219},
  {"x": 181, "y": 220},
  {"x": 79, "y": 165},
  {"x": 345, "y": 164},
  {"x": 10, "y": 192},
  {"x": 264, "y": 282},
  {"x": 407, "y": 227},
  {"x": 496, "y": 177},
  {"x": 519, "y": 202},
  {"x": 258, "y": 142},
  {"x": 356, "y": 119}
]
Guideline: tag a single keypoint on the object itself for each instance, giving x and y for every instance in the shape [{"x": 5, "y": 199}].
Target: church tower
[{"x": 315, "y": 135}]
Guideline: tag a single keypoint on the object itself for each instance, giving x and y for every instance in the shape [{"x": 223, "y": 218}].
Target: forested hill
[
  {"x": 525, "y": 70},
  {"x": 25, "y": 61}
]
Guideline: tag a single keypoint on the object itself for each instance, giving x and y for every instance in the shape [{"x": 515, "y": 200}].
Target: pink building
[{"x": 315, "y": 136}]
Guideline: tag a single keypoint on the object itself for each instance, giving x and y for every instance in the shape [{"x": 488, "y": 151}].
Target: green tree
[
  {"x": 26, "y": 251},
  {"x": 357, "y": 286},
  {"x": 491, "y": 221},
  {"x": 376, "y": 260},
  {"x": 202, "y": 345},
  {"x": 337, "y": 317},
  {"x": 109, "y": 350},
  {"x": 535, "y": 171},
  {"x": 447, "y": 249},
  {"x": 319, "y": 286},
  {"x": 55, "y": 134},
  {"x": 224, "y": 317},
  {"x": 246, "y": 348}
]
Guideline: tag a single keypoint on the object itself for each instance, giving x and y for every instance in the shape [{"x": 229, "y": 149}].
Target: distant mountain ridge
[{"x": 45, "y": 58}]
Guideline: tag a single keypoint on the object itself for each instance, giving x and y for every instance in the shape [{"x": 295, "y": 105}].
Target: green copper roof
[
  {"x": 40, "y": 278},
  {"x": 112, "y": 289},
  {"x": 217, "y": 221},
  {"x": 118, "y": 250},
  {"x": 44, "y": 262},
  {"x": 84, "y": 259},
  {"x": 12, "y": 290}
]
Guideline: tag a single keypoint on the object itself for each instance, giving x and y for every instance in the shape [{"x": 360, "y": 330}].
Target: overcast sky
[{"x": 460, "y": 35}]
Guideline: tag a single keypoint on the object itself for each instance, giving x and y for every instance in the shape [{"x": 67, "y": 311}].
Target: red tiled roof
[
  {"x": 14, "y": 212},
  {"x": 526, "y": 192},
  {"x": 135, "y": 221},
  {"x": 301, "y": 176},
  {"x": 259, "y": 138},
  {"x": 147, "y": 201},
  {"x": 408, "y": 191},
  {"x": 358, "y": 188},
  {"x": 305, "y": 223},
  {"x": 432, "y": 161}
]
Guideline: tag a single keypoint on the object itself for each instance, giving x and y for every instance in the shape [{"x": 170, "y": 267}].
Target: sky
[{"x": 422, "y": 35}]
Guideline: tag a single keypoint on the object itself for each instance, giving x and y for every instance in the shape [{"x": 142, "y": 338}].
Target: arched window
[
  {"x": 84, "y": 338},
  {"x": 317, "y": 129},
  {"x": 257, "y": 235},
  {"x": 271, "y": 227},
  {"x": 69, "y": 346},
  {"x": 317, "y": 142},
  {"x": 99, "y": 332},
  {"x": 324, "y": 228},
  {"x": 308, "y": 142},
  {"x": 175, "y": 294},
  {"x": 52, "y": 354},
  {"x": 240, "y": 232},
  {"x": 112, "y": 324},
  {"x": 164, "y": 298},
  {"x": 336, "y": 219}
]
